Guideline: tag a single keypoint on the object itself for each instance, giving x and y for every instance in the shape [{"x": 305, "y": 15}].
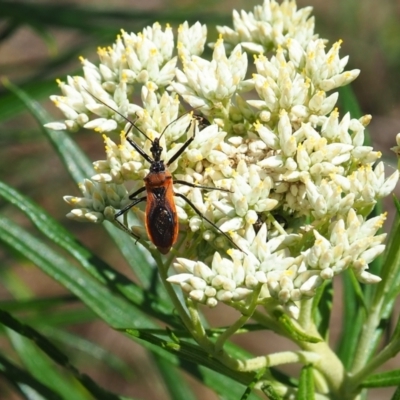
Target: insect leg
[
  {"x": 137, "y": 148},
  {"x": 181, "y": 150},
  {"x": 202, "y": 122},
  {"x": 134, "y": 194},
  {"x": 127, "y": 208},
  {"x": 197, "y": 211}
]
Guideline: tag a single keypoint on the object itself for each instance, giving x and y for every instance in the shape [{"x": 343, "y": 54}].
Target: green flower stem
[
  {"x": 247, "y": 314},
  {"x": 383, "y": 296},
  {"x": 269, "y": 322},
  {"x": 388, "y": 352},
  {"x": 189, "y": 251},
  {"x": 274, "y": 359},
  {"x": 321, "y": 386},
  {"x": 276, "y": 224},
  {"x": 230, "y": 331},
  {"x": 366, "y": 337},
  {"x": 163, "y": 270},
  {"x": 305, "y": 317},
  {"x": 192, "y": 321},
  {"x": 198, "y": 332}
]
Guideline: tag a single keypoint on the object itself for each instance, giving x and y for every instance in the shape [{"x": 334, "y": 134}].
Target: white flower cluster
[
  {"x": 350, "y": 242},
  {"x": 282, "y": 156},
  {"x": 270, "y": 25}
]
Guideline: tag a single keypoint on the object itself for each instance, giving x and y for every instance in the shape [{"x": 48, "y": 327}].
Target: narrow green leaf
[
  {"x": 349, "y": 101},
  {"x": 396, "y": 203},
  {"x": 23, "y": 337},
  {"x": 58, "y": 318},
  {"x": 384, "y": 379},
  {"x": 322, "y": 308},
  {"x": 114, "y": 279},
  {"x": 110, "y": 307},
  {"x": 306, "y": 384},
  {"x": 177, "y": 389},
  {"x": 46, "y": 36},
  {"x": 222, "y": 379},
  {"x": 358, "y": 292},
  {"x": 25, "y": 382},
  {"x": 43, "y": 369},
  {"x": 387, "y": 290},
  {"x": 13, "y": 283},
  {"x": 396, "y": 332},
  {"x": 396, "y": 394},
  {"x": 391, "y": 268},
  {"x": 101, "y": 21},
  {"x": 94, "y": 352},
  {"x": 10, "y": 105},
  {"x": 35, "y": 304},
  {"x": 192, "y": 353},
  {"x": 294, "y": 332},
  {"x": 73, "y": 158},
  {"x": 251, "y": 386}
]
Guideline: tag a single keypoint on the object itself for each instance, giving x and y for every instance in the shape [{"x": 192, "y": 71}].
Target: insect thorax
[
  {"x": 157, "y": 166},
  {"x": 156, "y": 179}
]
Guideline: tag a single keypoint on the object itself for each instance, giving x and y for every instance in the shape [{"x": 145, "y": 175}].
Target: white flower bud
[
  {"x": 197, "y": 295},
  {"x": 56, "y": 126},
  {"x": 224, "y": 295},
  {"x": 310, "y": 286}
]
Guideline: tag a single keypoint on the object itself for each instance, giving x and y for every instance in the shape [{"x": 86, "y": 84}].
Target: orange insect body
[
  {"x": 161, "y": 219},
  {"x": 161, "y": 222}
]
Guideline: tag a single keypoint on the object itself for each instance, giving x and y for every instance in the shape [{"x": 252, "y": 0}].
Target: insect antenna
[
  {"x": 132, "y": 124},
  {"x": 177, "y": 119}
]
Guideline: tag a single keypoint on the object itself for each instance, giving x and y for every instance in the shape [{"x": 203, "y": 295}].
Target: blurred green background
[{"x": 42, "y": 40}]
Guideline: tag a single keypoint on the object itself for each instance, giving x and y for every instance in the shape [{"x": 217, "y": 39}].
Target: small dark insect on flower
[{"x": 161, "y": 220}]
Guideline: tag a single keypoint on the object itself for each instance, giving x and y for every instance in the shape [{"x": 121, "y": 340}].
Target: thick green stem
[
  {"x": 328, "y": 365},
  {"x": 305, "y": 316},
  {"x": 275, "y": 359}
]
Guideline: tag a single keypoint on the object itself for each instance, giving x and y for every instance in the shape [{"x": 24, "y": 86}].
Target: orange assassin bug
[{"x": 161, "y": 220}]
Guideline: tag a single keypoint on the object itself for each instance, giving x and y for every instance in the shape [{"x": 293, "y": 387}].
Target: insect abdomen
[
  {"x": 161, "y": 228},
  {"x": 161, "y": 219}
]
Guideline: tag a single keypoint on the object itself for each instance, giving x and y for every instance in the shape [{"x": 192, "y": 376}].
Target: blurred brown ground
[{"x": 33, "y": 168}]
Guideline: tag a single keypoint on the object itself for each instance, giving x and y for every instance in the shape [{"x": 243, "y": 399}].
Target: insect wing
[{"x": 161, "y": 218}]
